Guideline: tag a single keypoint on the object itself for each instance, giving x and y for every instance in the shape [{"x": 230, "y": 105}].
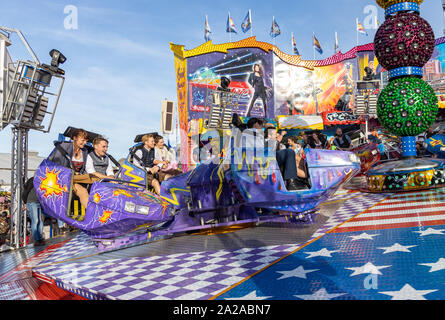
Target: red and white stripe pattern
[{"x": 407, "y": 210}]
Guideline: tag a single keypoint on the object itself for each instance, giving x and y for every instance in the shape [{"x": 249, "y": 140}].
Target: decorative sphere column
[
  {"x": 403, "y": 44},
  {"x": 407, "y": 106}
]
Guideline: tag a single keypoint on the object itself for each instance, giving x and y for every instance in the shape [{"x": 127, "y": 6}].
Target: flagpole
[
  {"x": 205, "y": 29},
  {"x": 292, "y": 43},
  {"x": 313, "y": 42},
  {"x": 273, "y": 23},
  {"x": 336, "y": 43},
  {"x": 230, "y": 30},
  {"x": 356, "y": 28}
]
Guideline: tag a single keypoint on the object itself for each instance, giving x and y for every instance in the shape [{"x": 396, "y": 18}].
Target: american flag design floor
[
  {"x": 375, "y": 246},
  {"x": 415, "y": 209}
]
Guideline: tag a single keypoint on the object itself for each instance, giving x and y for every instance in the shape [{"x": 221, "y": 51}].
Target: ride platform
[{"x": 362, "y": 246}]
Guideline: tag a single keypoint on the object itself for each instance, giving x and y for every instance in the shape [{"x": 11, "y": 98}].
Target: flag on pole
[
  {"x": 294, "y": 45},
  {"x": 336, "y": 42},
  {"x": 360, "y": 28},
  {"x": 275, "y": 30},
  {"x": 230, "y": 25},
  {"x": 247, "y": 22},
  {"x": 317, "y": 45},
  {"x": 207, "y": 31}
]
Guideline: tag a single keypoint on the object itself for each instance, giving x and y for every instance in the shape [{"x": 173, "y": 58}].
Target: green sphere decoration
[{"x": 407, "y": 106}]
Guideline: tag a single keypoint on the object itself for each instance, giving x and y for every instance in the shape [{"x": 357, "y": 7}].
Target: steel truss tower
[
  {"x": 19, "y": 175},
  {"x": 25, "y": 102}
]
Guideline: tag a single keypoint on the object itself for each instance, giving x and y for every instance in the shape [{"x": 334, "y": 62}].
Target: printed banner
[
  {"x": 341, "y": 118},
  {"x": 181, "y": 86},
  {"x": 251, "y": 74},
  {"x": 302, "y": 91}
]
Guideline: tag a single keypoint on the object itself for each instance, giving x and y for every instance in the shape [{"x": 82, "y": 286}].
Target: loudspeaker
[{"x": 167, "y": 117}]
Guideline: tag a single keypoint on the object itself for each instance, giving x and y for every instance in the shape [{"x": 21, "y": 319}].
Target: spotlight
[
  {"x": 225, "y": 83},
  {"x": 57, "y": 58}
]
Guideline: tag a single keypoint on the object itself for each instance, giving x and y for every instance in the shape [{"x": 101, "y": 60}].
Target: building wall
[{"x": 34, "y": 161}]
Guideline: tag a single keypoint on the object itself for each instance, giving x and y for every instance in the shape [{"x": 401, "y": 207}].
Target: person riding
[
  {"x": 253, "y": 136},
  {"x": 302, "y": 178},
  {"x": 73, "y": 155},
  {"x": 168, "y": 156},
  {"x": 98, "y": 163},
  {"x": 374, "y": 136},
  {"x": 342, "y": 141},
  {"x": 151, "y": 161},
  {"x": 317, "y": 141},
  {"x": 293, "y": 171},
  {"x": 274, "y": 137}
]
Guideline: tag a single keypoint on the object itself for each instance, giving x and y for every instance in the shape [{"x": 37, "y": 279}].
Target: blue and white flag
[
  {"x": 275, "y": 30},
  {"x": 230, "y": 25},
  {"x": 247, "y": 22}
]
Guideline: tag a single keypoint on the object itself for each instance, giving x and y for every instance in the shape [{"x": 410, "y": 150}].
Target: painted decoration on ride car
[{"x": 50, "y": 184}]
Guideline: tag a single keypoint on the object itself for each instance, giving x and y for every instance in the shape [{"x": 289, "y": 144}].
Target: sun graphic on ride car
[
  {"x": 97, "y": 197},
  {"x": 106, "y": 216},
  {"x": 50, "y": 184}
]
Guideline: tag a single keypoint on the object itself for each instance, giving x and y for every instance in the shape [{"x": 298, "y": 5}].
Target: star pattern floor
[
  {"x": 372, "y": 247},
  {"x": 392, "y": 251}
]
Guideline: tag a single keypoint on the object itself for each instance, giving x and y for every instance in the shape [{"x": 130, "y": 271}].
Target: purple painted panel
[
  {"x": 260, "y": 182},
  {"x": 113, "y": 209}
]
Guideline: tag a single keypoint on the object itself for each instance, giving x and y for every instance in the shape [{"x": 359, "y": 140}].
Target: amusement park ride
[
  {"x": 125, "y": 212},
  {"x": 250, "y": 188}
]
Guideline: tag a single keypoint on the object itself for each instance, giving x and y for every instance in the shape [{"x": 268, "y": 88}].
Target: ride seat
[{"x": 131, "y": 161}]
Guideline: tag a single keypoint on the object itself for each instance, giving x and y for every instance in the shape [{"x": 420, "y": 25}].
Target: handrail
[{"x": 123, "y": 182}]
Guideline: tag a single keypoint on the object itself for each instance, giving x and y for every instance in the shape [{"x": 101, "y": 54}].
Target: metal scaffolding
[
  {"x": 25, "y": 103},
  {"x": 19, "y": 175}
]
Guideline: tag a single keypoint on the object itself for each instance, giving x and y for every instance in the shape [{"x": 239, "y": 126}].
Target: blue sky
[{"x": 120, "y": 66}]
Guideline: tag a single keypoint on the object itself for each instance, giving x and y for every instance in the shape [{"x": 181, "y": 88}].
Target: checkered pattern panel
[{"x": 185, "y": 276}]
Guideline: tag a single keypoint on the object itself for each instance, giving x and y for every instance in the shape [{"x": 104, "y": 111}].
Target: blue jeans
[{"x": 35, "y": 214}]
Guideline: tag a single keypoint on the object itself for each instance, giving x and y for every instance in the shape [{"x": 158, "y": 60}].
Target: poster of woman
[{"x": 256, "y": 81}]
